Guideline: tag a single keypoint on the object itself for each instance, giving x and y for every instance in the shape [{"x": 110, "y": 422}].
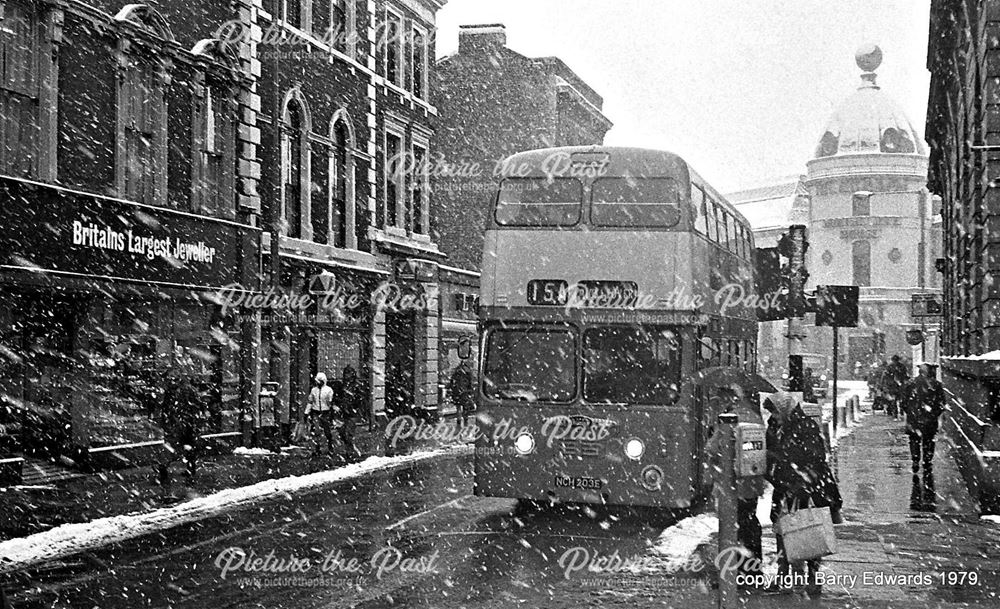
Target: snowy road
[{"x": 413, "y": 537}]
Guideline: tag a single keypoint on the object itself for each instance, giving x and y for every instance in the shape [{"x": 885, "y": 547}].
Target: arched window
[
  {"x": 292, "y": 151},
  {"x": 345, "y": 210},
  {"x": 861, "y": 254},
  {"x": 341, "y": 178}
]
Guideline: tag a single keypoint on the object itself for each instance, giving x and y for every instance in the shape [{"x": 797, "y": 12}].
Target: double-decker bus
[{"x": 610, "y": 278}]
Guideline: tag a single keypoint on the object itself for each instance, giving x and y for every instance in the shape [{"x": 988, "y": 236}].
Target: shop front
[
  {"x": 326, "y": 325},
  {"x": 104, "y": 303}
]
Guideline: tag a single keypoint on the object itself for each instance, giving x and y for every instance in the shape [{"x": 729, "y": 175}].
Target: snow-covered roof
[{"x": 769, "y": 205}]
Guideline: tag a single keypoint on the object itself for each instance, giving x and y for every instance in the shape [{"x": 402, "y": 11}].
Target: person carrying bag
[{"x": 805, "y": 491}]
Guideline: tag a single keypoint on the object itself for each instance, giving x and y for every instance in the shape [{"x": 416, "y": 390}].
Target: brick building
[
  {"x": 126, "y": 207},
  {"x": 349, "y": 83},
  {"x": 152, "y": 156},
  {"x": 964, "y": 134},
  {"x": 493, "y": 102}
]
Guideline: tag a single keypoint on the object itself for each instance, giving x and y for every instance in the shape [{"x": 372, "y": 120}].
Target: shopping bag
[
  {"x": 807, "y": 533},
  {"x": 300, "y": 432}
]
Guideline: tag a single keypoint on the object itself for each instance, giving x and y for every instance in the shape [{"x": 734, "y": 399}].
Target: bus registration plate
[{"x": 583, "y": 482}]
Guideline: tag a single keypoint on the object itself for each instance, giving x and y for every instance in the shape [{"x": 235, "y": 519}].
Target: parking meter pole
[
  {"x": 727, "y": 506},
  {"x": 836, "y": 346}
]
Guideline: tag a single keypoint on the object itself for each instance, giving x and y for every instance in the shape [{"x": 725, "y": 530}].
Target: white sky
[{"x": 741, "y": 88}]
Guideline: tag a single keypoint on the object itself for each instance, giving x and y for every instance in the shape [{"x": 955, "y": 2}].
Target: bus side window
[
  {"x": 731, "y": 222},
  {"x": 720, "y": 226},
  {"x": 742, "y": 234},
  {"x": 713, "y": 230},
  {"x": 698, "y": 202}
]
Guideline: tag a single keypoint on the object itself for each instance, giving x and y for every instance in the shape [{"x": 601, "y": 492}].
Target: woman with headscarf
[{"x": 798, "y": 469}]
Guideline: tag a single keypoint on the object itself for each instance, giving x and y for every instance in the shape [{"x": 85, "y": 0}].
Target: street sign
[
  {"x": 837, "y": 305},
  {"x": 925, "y": 305}
]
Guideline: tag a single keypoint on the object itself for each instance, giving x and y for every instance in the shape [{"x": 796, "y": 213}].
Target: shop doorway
[{"x": 400, "y": 362}]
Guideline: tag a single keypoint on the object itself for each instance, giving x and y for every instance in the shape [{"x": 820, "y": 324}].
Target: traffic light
[
  {"x": 837, "y": 305},
  {"x": 770, "y": 283},
  {"x": 796, "y": 247}
]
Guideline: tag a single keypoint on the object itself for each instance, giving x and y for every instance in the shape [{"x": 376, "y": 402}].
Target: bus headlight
[
  {"x": 634, "y": 448},
  {"x": 524, "y": 444},
  {"x": 652, "y": 478}
]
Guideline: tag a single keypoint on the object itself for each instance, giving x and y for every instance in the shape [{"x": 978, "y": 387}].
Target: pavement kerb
[{"x": 68, "y": 539}]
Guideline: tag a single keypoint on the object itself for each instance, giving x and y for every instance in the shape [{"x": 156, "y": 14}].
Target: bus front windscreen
[
  {"x": 635, "y": 202},
  {"x": 631, "y": 365},
  {"x": 530, "y": 365},
  {"x": 539, "y": 202}
]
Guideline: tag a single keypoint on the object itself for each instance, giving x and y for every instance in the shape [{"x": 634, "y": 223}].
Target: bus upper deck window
[
  {"x": 698, "y": 205},
  {"x": 539, "y": 202},
  {"x": 638, "y": 202}
]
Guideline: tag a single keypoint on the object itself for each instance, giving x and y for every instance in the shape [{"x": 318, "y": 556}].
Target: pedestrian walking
[
  {"x": 319, "y": 411},
  {"x": 749, "y": 489},
  {"x": 182, "y": 419},
  {"x": 460, "y": 389},
  {"x": 798, "y": 468},
  {"x": 808, "y": 386},
  {"x": 895, "y": 379},
  {"x": 922, "y": 406}
]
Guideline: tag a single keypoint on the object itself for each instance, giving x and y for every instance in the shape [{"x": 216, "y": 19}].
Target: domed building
[{"x": 871, "y": 223}]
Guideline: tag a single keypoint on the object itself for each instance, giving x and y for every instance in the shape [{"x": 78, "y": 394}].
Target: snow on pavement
[
  {"x": 675, "y": 545},
  {"x": 76, "y": 537}
]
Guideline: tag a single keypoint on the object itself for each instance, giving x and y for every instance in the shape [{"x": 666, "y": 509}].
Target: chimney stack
[{"x": 482, "y": 37}]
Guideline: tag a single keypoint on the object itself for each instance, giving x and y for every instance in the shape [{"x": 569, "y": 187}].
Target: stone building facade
[
  {"x": 871, "y": 223},
  {"x": 963, "y": 130}
]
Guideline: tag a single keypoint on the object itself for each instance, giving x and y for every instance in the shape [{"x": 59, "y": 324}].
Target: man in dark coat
[
  {"x": 182, "y": 421},
  {"x": 799, "y": 471},
  {"x": 895, "y": 378},
  {"x": 460, "y": 388},
  {"x": 923, "y": 404}
]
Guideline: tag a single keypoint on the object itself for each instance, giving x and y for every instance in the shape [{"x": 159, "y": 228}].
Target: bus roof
[{"x": 544, "y": 162}]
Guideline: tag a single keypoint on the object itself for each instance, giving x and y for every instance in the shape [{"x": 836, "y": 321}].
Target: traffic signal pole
[{"x": 836, "y": 357}]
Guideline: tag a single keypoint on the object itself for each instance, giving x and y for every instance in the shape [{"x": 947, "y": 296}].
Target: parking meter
[{"x": 751, "y": 454}]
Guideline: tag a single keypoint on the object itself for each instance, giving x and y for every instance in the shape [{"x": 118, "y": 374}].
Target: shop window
[
  {"x": 861, "y": 253},
  {"x": 418, "y": 62},
  {"x": 393, "y": 177},
  {"x": 143, "y": 131},
  {"x": 215, "y": 153},
  {"x": 19, "y": 122},
  {"x": 418, "y": 189}
]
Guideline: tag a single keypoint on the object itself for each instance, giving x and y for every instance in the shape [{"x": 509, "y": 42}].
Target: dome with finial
[{"x": 869, "y": 121}]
